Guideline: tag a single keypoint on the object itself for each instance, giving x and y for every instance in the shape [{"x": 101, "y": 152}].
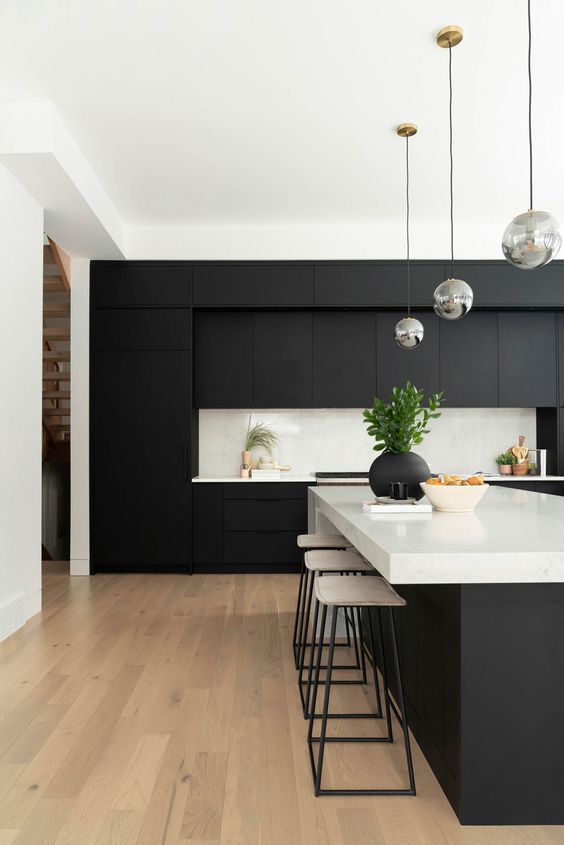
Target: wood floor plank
[{"x": 163, "y": 710}]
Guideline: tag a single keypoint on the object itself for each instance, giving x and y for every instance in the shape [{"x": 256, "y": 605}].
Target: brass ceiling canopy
[
  {"x": 450, "y": 36},
  {"x": 406, "y": 130}
]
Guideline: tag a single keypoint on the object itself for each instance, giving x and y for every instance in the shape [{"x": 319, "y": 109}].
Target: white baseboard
[
  {"x": 79, "y": 566},
  {"x": 12, "y": 616}
]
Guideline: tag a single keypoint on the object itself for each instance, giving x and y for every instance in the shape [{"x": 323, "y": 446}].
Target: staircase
[{"x": 56, "y": 353}]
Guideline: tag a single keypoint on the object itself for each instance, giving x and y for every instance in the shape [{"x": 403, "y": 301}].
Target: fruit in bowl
[{"x": 453, "y": 494}]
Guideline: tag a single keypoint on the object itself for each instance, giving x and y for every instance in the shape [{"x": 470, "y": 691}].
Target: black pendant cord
[
  {"x": 407, "y": 224},
  {"x": 451, "y": 161},
  {"x": 530, "y": 111}
]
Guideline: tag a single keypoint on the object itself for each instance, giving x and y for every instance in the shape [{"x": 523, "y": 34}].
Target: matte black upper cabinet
[
  {"x": 283, "y": 359},
  {"x": 140, "y": 483},
  {"x": 223, "y": 359},
  {"x": 140, "y": 283},
  {"x": 396, "y": 366},
  {"x": 499, "y": 285},
  {"x": 253, "y": 285},
  {"x": 527, "y": 359},
  {"x": 376, "y": 284},
  {"x": 344, "y": 359},
  {"x": 469, "y": 355}
]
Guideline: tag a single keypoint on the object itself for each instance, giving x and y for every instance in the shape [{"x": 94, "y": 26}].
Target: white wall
[
  {"x": 80, "y": 333},
  {"x": 21, "y": 288},
  {"x": 463, "y": 440}
]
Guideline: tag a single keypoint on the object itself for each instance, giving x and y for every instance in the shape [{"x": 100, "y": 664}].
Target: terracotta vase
[
  {"x": 246, "y": 458},
  {"x": 521, "y": 469},
  {"x": 504, "y": 469}
]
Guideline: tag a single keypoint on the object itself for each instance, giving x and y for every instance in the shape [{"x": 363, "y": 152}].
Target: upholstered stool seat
[
  {"x": 336, "y": 561},
  {"x": 322, "y": 541}
]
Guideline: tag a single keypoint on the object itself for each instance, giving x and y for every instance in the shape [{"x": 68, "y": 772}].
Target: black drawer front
[
  {"x": 266, "y": 515},
  {"x": 142, "y": 328},
  {"x": 261, "y": 548},
  {"x": 252, "y": 284},
  {"x": 266, "y": 490},
  {"x": 139, "y": 283}
]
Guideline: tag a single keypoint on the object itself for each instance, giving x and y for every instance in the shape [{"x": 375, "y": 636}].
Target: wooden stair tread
[
  {"x": 56, "y": 394},
  {"x": 56, "y": 309},
  {"x": 60, "y": 427},
  {"x": 56, "y": 355},
  {"x": 56, "y": 334},
  {"x": 55, "y": 375},
  {"x": 56, "y": 412}
]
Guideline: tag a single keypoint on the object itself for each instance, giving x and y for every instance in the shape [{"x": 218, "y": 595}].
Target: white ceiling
[{"x": 282, "y": 113}]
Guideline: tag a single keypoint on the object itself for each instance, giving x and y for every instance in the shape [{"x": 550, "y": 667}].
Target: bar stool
[
  {"x": 318, "y": 563},
  {"x": 356, "y": 593},
  {"x": 308, "y": 542}
]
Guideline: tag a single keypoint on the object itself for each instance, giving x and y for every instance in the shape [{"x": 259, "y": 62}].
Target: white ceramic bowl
[{"x": 454, "y": 499}]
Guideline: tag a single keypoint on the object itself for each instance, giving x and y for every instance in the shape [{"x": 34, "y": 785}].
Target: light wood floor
[{"x": 163, "y": 709}]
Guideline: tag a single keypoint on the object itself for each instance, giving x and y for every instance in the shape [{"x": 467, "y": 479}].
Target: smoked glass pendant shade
[{"x": 531, "y": 240}]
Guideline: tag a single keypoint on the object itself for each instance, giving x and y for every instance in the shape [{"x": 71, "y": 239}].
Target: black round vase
[{"x": 405, "y": 466}]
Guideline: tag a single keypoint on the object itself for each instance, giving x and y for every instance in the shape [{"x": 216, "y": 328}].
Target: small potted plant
[
  {"x": 505, "y": 463},
  {"x": 258, "y": 435},
  {"x": 397, "y": 426}
]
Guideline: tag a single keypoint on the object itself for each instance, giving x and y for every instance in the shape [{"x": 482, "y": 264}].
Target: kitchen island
[{"x": 481, "y": 642}]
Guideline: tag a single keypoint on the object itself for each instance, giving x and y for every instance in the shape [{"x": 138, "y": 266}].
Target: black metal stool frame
[{"x": 323, "y": 739}]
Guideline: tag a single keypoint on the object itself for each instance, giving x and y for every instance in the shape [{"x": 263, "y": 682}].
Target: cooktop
[{"x": 341, "y": 475}]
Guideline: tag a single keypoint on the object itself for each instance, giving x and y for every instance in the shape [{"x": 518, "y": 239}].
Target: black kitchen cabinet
[
  {"x": 253, "y": 285},
  {"x": 396, "y": 366},
  {"x": 469, "y": 354},
  {"x": 344, "y": 359},
  {"x": 141, "y": 328},
  {"x": 378, "y": 284},
  {"x": 129, "y": 283},
  {"x": 283, "y": 359},
  {"x": 561, "y": 359},
  {"x": 248, "y": 526},
  {"x": 527, "y": 360},
  {"x": 223, "y": 359},
  {"x": 140, "y": 483},
  {"x": 496, "y": 284}
]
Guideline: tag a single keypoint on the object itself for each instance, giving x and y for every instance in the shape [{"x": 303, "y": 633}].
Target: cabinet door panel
[
  {"x": 140, "y": 283},
  {"x": 469, "y": 353},
  {"x": 499, "y": 285},
  {"x": 373, "y": 285},
  {"x": 207, "y": 509},
  {"x": 396, "y": 366},
  {"x": 266, "y": 515},
  {"x": 344, "y": 359},
  {"x": 223, "y": 359},
  {"x": 527, "y": 360},
  {"x": 140, "y": 426},
  {"x": 142, "y": 328},
  {"x": 261, "y": 548},
  {"x": 253, "y": 284},
  {"x": 283, "y": 360}
]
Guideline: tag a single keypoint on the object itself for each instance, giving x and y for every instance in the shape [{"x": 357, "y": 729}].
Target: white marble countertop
[
  {"x": 513, "y": 536},
  {"x": 227, "y": 479}
]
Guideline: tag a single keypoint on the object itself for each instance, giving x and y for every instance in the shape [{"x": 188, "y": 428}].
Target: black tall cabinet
[{"x": 141, "y": 413}]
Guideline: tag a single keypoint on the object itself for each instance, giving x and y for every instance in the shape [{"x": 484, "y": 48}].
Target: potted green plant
[
  {"x": 397, "y": 426},
  {"x": 258, "y": 436},
  {"x": 505, "y": 463}
]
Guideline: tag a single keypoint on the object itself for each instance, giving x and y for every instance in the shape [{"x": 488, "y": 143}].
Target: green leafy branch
[{"x": 402, "y": 423}]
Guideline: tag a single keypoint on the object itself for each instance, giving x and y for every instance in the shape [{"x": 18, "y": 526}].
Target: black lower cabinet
[
  {"x": 248, "y": 526},
  {"x": 140, "y": 473}
]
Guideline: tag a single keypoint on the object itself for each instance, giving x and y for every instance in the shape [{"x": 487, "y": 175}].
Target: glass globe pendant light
[
  {"x": 532, "y": 239},
  {"x": 453, "y": 298},
  {"x": 408, "y": 333}
]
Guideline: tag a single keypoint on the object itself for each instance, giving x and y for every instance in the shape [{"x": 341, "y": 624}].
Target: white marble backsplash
[{"x": 463, "y": 440}]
